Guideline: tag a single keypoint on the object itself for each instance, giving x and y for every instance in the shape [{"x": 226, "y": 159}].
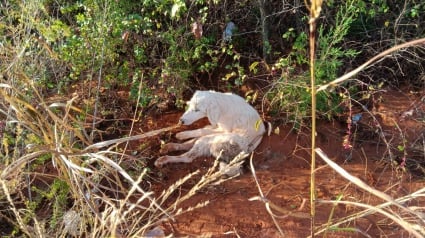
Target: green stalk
[{"x": 315, "y": 8}]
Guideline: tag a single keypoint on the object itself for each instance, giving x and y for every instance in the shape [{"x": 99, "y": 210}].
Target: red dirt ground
[{"x": 282, "y": 164}]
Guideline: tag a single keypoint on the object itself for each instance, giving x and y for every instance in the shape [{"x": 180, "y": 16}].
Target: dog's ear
[{"x": 213, "y": 113}]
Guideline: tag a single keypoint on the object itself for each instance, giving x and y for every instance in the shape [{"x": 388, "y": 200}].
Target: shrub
[{"x": 290, "y": 92}]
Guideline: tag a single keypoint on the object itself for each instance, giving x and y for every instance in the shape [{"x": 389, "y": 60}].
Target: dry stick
[
  {"x": 139, "y": 95},
  {"x": 130, "y": 138},
  {"x": 352, "y": 217},
  {"x": 268, "y": 204},
  {"x": 371, "y": 61},
  {"x": 358, "y": 182},
  {"x": 366, "y": 187},
  {"x": 409, "y": 227},
  {"x": 117, "y": 167},
  {"x": 262, "y": 197}
]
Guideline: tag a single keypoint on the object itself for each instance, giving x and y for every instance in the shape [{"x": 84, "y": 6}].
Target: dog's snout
[{"x": 181, "y": 121}]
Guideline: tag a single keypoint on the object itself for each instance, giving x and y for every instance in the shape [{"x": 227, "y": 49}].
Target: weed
[
  {"x": 57, "y": 194},
  {"x": 290, "y": 92}
]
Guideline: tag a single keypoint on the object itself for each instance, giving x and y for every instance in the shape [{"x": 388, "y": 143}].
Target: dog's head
[{"x": 200, "y": 105}]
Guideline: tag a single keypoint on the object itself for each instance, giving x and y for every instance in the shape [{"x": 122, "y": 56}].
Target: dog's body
[{"x": 235, "y": 127}]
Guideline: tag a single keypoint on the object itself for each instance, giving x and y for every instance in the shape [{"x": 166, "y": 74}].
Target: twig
[
  {"x": 262, "y": 198},
  {"x": 130, "y": 138},
  {"x": 369, "y": 62},
  {"x": 402, "y": 222},
  {"x": 362, "y": 184}
]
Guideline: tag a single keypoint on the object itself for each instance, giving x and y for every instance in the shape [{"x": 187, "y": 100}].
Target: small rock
[
  {"x": 72, "y": 220},
  {"x": 155, "y": 233}
]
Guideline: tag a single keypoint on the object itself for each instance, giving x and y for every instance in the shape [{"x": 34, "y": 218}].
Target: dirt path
[{"x": 283, "y": 171}]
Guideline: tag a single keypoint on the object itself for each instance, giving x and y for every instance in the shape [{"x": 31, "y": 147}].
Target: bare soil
[
  {"x": 282, "y": 164},
  {"x": 393, "y": 122}
]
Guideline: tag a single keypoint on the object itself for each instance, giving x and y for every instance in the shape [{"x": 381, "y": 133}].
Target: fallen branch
[
  {"x": 369, "y": 62},
  {"x": 355, "y": 180},
  {"x": 130, "y": 138}
]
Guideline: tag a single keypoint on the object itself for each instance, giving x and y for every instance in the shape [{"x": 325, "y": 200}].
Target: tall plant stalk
[{"x": 315, "y": 8}]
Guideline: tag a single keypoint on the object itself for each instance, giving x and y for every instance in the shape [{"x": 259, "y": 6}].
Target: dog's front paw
[
  {"x": 165, "y": 149},
  {"x": 161, "y": 161},
  {"x": 183, "y": 135}
]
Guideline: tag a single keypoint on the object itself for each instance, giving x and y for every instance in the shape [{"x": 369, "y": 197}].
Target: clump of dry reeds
[{"x": 104, "y": 199}]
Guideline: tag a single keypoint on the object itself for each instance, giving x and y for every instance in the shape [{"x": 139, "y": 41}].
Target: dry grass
[{"x": 123, "y": 207}]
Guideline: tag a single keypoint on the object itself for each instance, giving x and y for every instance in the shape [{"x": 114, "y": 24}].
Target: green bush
[{"x": 291, "y": 93}]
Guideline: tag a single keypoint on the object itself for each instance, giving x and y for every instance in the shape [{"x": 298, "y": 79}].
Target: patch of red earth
[{"x": 282, "y": 164}]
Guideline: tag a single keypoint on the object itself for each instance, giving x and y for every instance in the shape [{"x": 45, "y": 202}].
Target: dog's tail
[{"x": 268, "y": 127}]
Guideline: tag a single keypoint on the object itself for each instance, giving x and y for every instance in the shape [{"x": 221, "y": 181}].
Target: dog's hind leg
[
  {"x": 172, "y": 159},
  {"x": 208, "y": 130},
  {"x": 200, "y": 148},
  {"x": 169, "y": 147}
]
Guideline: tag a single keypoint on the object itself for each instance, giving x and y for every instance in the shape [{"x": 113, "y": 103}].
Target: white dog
[{"x": 235, "y": 127}]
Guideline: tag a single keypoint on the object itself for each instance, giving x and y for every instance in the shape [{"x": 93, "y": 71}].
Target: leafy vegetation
[{"x": 62, "y": 61}]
